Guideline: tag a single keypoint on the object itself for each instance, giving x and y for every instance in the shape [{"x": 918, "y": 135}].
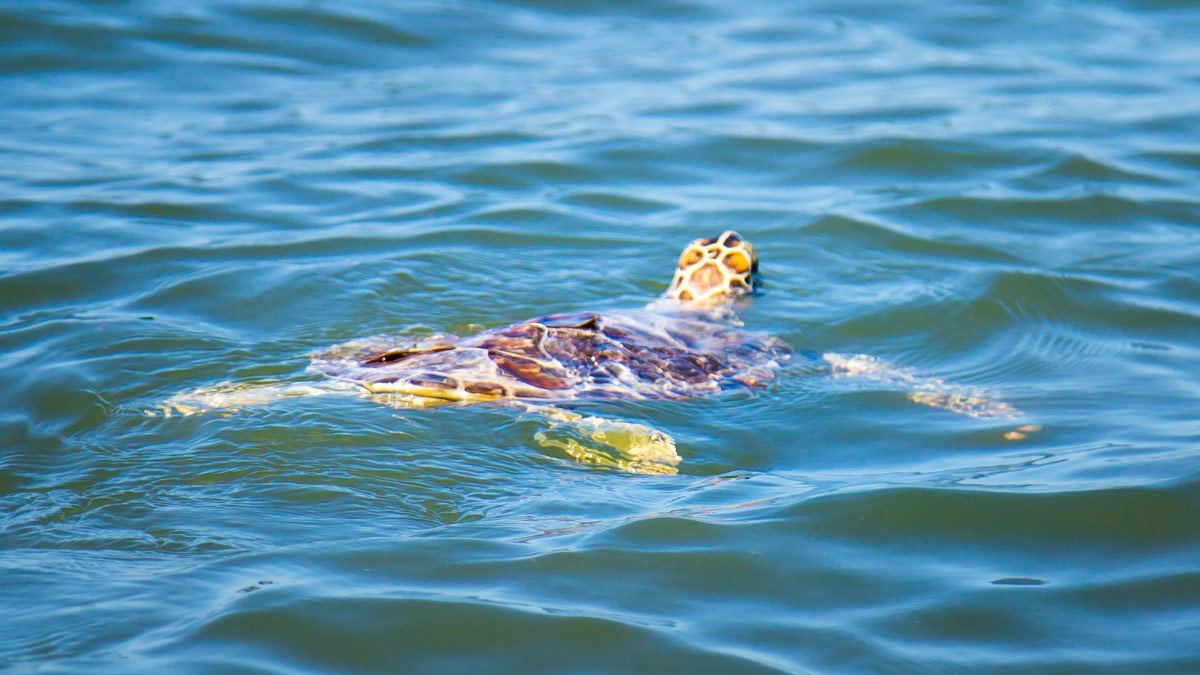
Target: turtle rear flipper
[{"x": 228, "y": 397}]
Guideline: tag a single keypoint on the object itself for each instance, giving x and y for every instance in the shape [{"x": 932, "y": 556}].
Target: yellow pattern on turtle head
[{"x": 713, "y": 271}]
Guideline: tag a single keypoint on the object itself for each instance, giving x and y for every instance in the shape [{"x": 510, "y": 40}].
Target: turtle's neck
[{"x": 716, "y": 311}]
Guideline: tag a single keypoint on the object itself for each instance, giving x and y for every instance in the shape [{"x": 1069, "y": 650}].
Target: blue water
[{"x": 1001, "y": 195}]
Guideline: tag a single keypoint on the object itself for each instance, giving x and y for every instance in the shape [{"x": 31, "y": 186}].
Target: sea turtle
[
  {"x": 688, "y": 343},
  {"x": 681, "y": 348},
  {"x": 685, "y": 345}
]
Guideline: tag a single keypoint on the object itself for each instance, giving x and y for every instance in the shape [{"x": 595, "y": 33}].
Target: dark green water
[{"x": 1002, "y": 194}]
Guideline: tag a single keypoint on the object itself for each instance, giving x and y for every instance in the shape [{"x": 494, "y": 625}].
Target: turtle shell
[{"x": 635, "y": 355}]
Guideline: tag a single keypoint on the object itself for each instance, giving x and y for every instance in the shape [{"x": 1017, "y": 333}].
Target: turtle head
[{"x": 714, "y": 271}]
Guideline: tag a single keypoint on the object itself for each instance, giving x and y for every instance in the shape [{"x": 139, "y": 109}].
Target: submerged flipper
[
  {"x": 933, "y": 392},
  {"x": 605, "y": 442},
  {"x": 588, "y": 439},
  {"x": 230, "y": 397}
]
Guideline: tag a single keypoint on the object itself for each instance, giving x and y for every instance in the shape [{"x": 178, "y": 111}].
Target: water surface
[{"x": 1002, "y": 194}]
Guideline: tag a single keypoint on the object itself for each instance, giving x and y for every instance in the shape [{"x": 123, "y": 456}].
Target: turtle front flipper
[
  {"x": 588, "y": 439},
  {"x": 930, "y": 391}
]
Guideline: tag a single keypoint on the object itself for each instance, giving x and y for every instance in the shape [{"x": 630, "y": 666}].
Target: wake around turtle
[{"x": 686, "y": 344}]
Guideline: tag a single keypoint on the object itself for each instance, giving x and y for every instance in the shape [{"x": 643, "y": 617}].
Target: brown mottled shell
[{"x": 636, "y": 355}]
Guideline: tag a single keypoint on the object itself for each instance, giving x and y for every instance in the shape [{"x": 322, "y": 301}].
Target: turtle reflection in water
[{"x": 686, "y": 344}]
